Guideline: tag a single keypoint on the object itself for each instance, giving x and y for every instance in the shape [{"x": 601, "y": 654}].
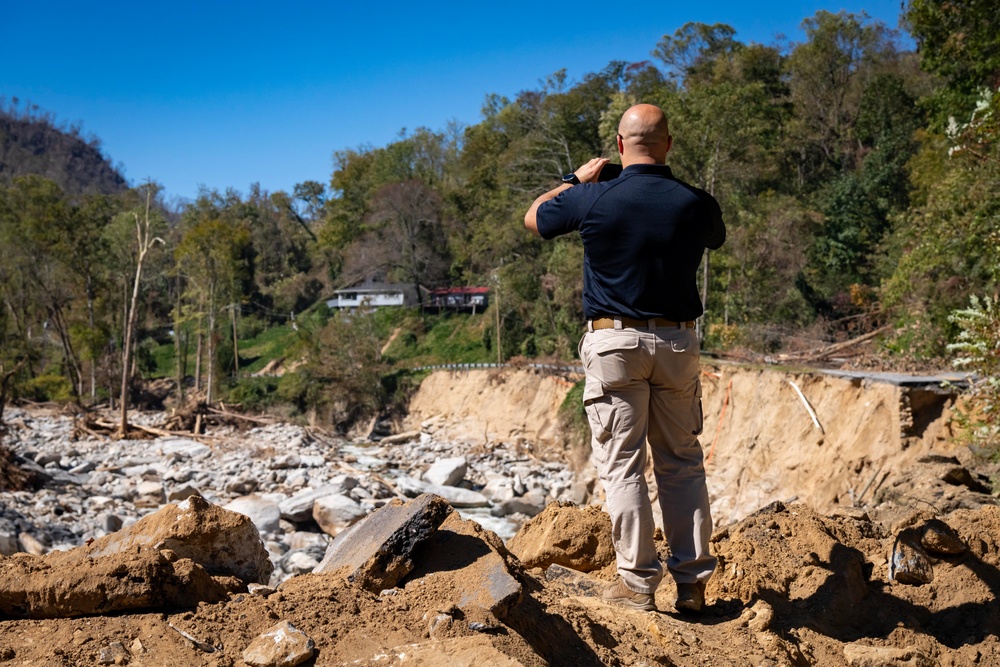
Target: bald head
[{"x": 644, "y": 135}]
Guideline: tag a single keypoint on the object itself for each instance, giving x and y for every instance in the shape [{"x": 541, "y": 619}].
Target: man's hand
[{"x": 588, "y": 173}]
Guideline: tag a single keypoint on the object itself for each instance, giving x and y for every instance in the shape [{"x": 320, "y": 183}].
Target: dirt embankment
[{"x": 761, "y": 439}]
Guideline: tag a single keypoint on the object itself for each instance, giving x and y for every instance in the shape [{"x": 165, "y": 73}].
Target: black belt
[{"x": 655, "y": 322}]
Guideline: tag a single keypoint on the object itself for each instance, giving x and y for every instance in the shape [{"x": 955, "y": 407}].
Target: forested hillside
[
  {"x": 857, "y": 178},
  {"x": 32, "y": 143}
]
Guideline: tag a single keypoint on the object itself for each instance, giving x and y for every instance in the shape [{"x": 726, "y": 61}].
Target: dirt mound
[
  {"x": 563, "y": 534},
  {"x": 794, "y": 588}
]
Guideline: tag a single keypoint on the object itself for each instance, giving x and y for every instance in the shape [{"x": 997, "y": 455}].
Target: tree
[
  {"x": 406, "y": 236},
  {"x": 213, "y": 257},
  {"x": 144, "y": 242},
  {"x": 961, "y": 42},
  {"x": 828, "y": 75},
  {"x": 692, "y": 51}
]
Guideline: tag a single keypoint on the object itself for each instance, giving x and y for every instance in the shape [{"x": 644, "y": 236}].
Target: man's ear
[
  {"x": 670, "y": 142},
  {"x": 621, "y": 146}
]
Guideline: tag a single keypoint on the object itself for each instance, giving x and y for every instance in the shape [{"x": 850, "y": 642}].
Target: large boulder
[
  {"x": 466, "y": 558},
  {"x": 224, "y": 543},
  {"x": 378, "y": 551}
]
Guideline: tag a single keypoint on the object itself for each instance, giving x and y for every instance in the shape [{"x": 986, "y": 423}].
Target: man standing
[{"x": 643, "y": 234}]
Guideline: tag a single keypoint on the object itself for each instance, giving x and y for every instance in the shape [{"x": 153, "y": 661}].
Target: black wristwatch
[{"x": 571, "y": 179}]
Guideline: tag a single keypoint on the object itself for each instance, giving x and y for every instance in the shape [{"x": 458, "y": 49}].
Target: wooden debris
[{"x": 819, "y": 354}]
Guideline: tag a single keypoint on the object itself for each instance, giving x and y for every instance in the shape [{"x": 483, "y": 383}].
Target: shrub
[
  {"x": 56, "y": 388},
  {"x": 978, "y": 348}
]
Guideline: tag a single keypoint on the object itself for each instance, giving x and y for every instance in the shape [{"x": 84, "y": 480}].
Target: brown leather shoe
[
  {"x": 619, "y": 593},
  {"x": 690, "y": 598}
]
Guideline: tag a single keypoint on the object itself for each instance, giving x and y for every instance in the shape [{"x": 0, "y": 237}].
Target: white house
[{"x": 374, "y": 295}]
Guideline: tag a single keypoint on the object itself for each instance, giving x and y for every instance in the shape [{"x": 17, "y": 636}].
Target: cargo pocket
[
  {"x": 697, "y": 414},
  {"x": 604, "y": 360},
  {"x": 600, "y": 415}
]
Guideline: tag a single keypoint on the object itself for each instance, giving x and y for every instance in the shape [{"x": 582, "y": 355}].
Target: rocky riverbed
[{"x": 299, "y": 486}]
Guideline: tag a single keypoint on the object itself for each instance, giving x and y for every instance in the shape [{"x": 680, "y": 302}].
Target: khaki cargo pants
[{"x": 644, "y": 385}]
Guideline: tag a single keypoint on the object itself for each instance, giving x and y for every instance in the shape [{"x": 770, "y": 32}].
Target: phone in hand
[{"x": 609, "y": 172}]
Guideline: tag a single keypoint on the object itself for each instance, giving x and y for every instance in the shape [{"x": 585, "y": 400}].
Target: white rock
[
  {"x": 298, "y": 508},
  {"x": 264, "y": 513},
  {"x": 456, "y": 496},
  {"x": 300, "y": 562},
  {"x": 447, "y": 471},
  {"x": 283, "y": 644},
  {"x": 183, "y": 446},
  {"x": 149, "y": 494},
  {"x": 303, "y": 539}
]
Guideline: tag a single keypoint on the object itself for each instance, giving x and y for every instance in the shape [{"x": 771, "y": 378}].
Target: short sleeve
[{"x": 565, "y": 213}]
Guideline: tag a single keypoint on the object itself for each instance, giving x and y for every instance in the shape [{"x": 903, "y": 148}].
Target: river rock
[
  {"x": 264, "y": 513},
  {"x": 531, "y": 504},
  {"x": 337, "y": 512},
  {"x": 183, "y": 447},
  {"x": 299, "y": 507},
  {"x": 282, "y": 644},
  {"x": 447, "y": 472},
  {"x": 455, "y": 495},
  {"x": 498, "y": 487},
  {"x": 149, "y": 494}
]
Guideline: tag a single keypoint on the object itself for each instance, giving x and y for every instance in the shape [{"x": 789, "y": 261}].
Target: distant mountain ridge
[{"x": 32, "y": 143}]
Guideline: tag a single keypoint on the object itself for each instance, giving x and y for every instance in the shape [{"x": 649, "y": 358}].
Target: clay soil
[
  {"x": 801, "y": 581},
  {"x": 793, "y": 588}
]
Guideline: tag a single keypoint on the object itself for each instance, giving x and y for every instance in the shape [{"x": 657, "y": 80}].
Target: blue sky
[{"x": 226, "y": 94}]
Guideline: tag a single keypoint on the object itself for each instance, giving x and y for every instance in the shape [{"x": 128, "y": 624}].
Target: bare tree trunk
[
  {"x": 144, "y": 242},
  {"x": 90, "y": 321},
  {"x": 198, "y": 355},
  {"x": 179, "y": 356},
  {"x": 211, "y": 344},
  {"x": 236, "y": 343}
]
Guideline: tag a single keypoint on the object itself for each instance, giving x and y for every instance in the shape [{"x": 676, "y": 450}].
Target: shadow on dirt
[{"x": 848, "y": 606}]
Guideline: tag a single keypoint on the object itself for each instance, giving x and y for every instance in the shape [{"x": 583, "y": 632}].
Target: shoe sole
[{"x": 646, "y": 606}]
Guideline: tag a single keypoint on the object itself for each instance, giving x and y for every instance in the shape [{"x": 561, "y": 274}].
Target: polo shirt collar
[{"x": 657, "y": 169}]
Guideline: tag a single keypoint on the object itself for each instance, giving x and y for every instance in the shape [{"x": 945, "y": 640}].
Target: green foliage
[
  {"x": 254, "y": 393},
  {"x": 978, "y": 350},
  {"x": 948, "y": 243},
  {"x": 959, "y": 41},
  {"x": 574, "y": 418},
  {"x": 48, "y": 387}
]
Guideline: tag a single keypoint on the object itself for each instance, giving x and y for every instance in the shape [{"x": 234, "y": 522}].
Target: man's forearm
[{"x": 530, "y": 218}]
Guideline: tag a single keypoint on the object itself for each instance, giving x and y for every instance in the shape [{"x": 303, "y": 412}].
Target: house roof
[{"x": 443, "y": 291}]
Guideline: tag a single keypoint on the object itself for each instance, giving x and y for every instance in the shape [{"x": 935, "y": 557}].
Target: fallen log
[{"x": 818, "y": 354}]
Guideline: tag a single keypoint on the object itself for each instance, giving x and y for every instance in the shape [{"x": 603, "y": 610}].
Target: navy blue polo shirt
[{"x": 643, "y": 234}]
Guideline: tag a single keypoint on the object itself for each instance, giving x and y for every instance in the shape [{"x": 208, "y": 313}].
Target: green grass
[
  {"x": 270, "y": 344},
  {"x": 441, "y": 339}
]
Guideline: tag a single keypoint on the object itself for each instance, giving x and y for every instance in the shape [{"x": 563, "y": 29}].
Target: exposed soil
[{"x": 800, "y": 582}]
